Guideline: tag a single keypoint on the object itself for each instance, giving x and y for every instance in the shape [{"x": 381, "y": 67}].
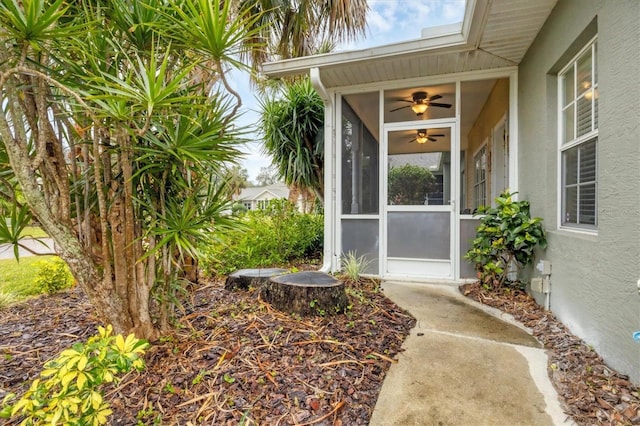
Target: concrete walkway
[
  {"x": 6, "y": 250},
  {"x": 464, "y": 365}
]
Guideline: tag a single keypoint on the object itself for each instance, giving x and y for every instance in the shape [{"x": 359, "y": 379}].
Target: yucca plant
[
  {"x": 292, "y": 132},
  {"x": 116, "y": 123}
]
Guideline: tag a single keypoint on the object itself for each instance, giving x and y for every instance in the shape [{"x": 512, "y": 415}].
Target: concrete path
[
  {"x": 463, "y": 365},
  {"x": 6, "y": 250}
]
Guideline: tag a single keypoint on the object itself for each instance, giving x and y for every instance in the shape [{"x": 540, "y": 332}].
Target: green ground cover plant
[{"x": 271, "y": 236}]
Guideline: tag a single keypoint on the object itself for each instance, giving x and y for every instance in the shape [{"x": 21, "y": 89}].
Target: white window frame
[
  {"x": 477, "y": 184},
  {"x": 570, "y": 71}
]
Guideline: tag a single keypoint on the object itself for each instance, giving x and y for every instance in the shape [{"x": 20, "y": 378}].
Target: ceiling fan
[
  {"x": 422, "y": 136},
  {"x": 420, "y": 102}
]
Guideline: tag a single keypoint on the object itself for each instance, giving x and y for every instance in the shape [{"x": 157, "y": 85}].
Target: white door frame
[
  {"x": 499, "y": 156},
  {"x": 420, "y": 268}
]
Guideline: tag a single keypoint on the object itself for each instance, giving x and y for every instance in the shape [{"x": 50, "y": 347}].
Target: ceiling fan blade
[
  {"x": 436, "y": 104},
  {"x": 438, "y": 135},
  {"x": 434, "y": 97},
  {"x": 431, "y": 139},
  {"x": 396, "y": 109},
  {"x": 412, "y": 140}
]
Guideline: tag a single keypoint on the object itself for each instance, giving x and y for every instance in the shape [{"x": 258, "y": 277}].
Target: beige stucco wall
[
  {"x": 493, "y": 110},
  {"x": 593, "y": 281}
]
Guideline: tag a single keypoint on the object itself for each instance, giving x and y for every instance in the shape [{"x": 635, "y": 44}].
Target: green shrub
[
  {"x": 409, "y": 184},
  {"x": 238, "y": 209},
  {"x": 68, "y": 391},
  {"x": 53, "y": 276},
  {"x": 505, "y": 239},
  {"x": 268, "y": 237}
]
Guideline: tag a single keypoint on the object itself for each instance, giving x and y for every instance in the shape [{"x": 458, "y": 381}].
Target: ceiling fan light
[
  {"x": 421, "y": 136},
  {"x": 419, "y": 107}
]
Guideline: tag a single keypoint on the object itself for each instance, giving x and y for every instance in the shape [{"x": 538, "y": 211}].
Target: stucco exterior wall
[
  {"x": 493, "y": 110},
  {"x": 593, "y": 281}
]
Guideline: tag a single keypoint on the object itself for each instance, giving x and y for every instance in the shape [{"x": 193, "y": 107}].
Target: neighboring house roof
[
  {"x": 277, "y": 190},
  {"x": 493, "y": 34}
]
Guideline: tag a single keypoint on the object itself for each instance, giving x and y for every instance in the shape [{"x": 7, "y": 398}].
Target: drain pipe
[{"x": 329, "y": 258}]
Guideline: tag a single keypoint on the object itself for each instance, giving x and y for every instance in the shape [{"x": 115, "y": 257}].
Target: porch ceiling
[
  {"x": 417, "y": 65},
  {"x": 494, "y": 34}
]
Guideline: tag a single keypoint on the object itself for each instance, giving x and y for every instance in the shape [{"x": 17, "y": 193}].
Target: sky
[{"x": 388, "y": 21}]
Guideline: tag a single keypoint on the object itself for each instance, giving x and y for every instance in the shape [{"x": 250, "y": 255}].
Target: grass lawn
[
  {"x": 17, "y": 277},
  {"x": 33, "y": 232}
]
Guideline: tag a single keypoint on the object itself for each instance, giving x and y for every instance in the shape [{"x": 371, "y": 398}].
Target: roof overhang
[{"x": 493, "y": 34}]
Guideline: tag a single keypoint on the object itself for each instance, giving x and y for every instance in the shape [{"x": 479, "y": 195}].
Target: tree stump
[
  {"x": 306, "y": 293},
  {"x": 245, "y": 278}
]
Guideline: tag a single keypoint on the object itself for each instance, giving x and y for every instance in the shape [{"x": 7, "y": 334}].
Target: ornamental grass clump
[
  {"x": 505, "y": 240},
  {"x": 354, "y": 266}
]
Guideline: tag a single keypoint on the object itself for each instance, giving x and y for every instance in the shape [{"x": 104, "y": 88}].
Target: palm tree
[
  {"x": 295, "y": 28},
  {"x": 117, "y": 140}
]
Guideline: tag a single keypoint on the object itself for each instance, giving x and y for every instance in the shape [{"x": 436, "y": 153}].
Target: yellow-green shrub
[
  {"x": 67, "y": 391},
  {"x": 53, "y": 276}
]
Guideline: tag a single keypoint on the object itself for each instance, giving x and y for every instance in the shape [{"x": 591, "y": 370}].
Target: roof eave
[
  {"x": 303, "y": 65},
  {"x": 467, "y": 37}
]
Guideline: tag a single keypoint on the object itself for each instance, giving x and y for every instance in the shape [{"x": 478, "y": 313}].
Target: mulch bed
[
  {"x": 232, "y": 360},
  {"x": 591, "y": 392}
]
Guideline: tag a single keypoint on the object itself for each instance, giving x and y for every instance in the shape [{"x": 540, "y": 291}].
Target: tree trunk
[
  {"x": 306, "y": 293},
  {"x": 245, "y": 278},
  {"x": 113, "y": 305}
]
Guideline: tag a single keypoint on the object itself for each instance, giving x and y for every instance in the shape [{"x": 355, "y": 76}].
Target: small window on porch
[{"x": 480, "y": 177}]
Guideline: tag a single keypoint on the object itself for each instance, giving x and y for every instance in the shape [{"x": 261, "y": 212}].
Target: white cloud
[
  {"x": 392, "y": 21},
  {"x": 453, "y": 10},
  {"x": 376, "y": 23},
  {"x": 380, "y": 16}
]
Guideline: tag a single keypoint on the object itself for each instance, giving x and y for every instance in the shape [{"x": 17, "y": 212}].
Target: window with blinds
[
  {"x": 480, "y": 177},
  {"x": 578, "y": 110}
]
